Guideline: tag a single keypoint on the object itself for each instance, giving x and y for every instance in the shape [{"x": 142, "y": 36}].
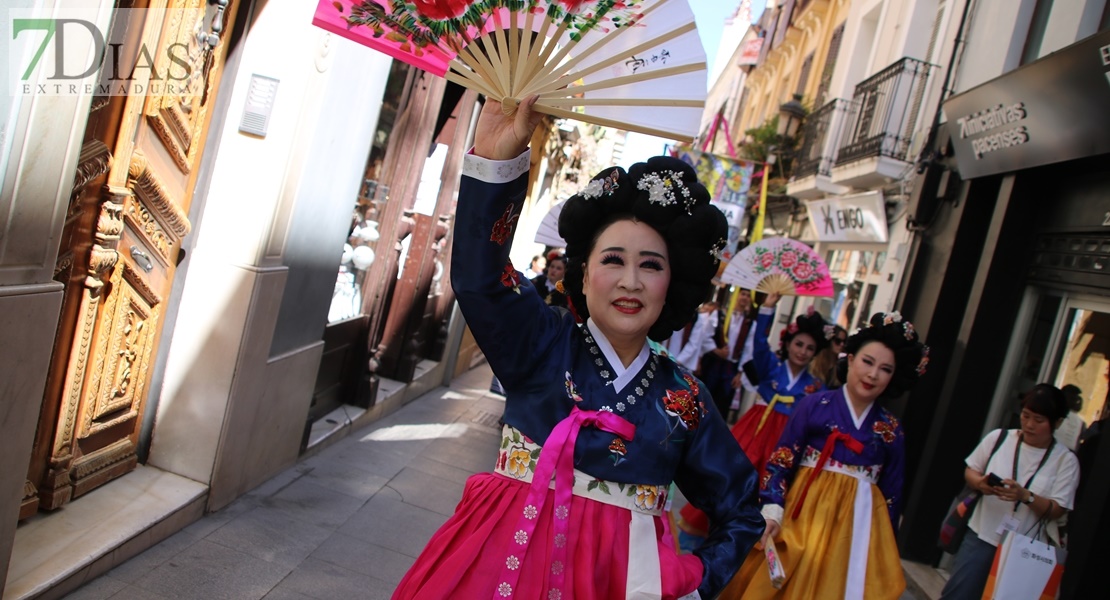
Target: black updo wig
[
  {"x": 812, "y": 324},
  {"x": 910, "y": 355},
  {"x": 664, "y": 194}
]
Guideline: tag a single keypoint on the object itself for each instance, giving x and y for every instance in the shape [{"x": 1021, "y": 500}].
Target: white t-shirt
[
  {"x": 701, "y": 340},
  {"x": 1056, "y": 480}
]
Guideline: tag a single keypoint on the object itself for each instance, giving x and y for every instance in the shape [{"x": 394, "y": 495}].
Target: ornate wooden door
[{"x": 124, "y": 227}]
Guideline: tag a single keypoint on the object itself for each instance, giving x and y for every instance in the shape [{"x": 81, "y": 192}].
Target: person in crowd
[
  {"x": 824, "y": 365},
  {"x": 720, "y": 368},
  {"x": 1073, "y": 427},
  {"x": 591, "y": 404},
  {"x": 548, "y": 283},
  {"x": 536, "y": 268},
  {"x": 783, "y": 379},
  {"x": 688, "y": 344},
  {"x": 832, "y": 494},
  {"x": 1037, "y": 480}
]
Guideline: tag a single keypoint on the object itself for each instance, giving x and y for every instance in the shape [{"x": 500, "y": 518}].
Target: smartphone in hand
[{"x": 994, "y": 480}]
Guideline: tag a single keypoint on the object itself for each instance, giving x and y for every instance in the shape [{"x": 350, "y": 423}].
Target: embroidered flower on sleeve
[
  {"x": 693, "y": 383},
  {"x": 811, "y": 388},
  {"x": 510, "y": 278},
  {"x": 763, "y": 481},
  {"x": 884, "y": 430},
  {"x": 572, "y": 390},
  {"x": 617, "y": 447},
  {"x": 681, "y": 404},
  {"x": 503, "y": 228},
  {"x": 782, "y": 457}
]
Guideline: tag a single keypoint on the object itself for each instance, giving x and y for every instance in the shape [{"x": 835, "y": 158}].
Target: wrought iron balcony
[
  {"x": 816, "y": 155},
  {"x": 883, "y": 113}
]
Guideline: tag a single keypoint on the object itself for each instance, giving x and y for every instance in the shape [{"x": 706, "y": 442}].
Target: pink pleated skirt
[{"x": 465, "y": 558}]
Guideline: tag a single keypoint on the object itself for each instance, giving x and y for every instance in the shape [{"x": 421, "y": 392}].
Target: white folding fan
[{"x": 636, "y": 65}]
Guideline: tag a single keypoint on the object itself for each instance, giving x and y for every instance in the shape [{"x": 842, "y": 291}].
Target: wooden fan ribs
[
  {"x": 546, "y": 79},
  {"x": 549, "y": 83},
  {"x": 623, "y": 80}
]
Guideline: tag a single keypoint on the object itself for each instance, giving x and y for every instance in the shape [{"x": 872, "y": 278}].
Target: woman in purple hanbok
[{"x": 832, "y": 493}]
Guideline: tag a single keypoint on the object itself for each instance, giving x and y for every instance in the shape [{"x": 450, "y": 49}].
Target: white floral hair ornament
[
  {"x": 718, "y": 249},
  {"x": 601, "y": 186},
  {"x": 664, "y": 187},
  {"x": 892, "y": 317}
]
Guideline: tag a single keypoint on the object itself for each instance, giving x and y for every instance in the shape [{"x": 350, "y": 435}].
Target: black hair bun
[
  {"x": 910, "y": 355},
  {"x": 665, "y": 194},
  {"x": 811, "y": 324}
]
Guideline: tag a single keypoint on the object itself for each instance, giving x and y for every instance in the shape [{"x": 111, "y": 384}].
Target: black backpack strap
[{"x": 998, "y": 444}]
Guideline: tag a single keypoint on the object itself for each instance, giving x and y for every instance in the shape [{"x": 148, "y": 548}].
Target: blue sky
[{"x": 710, "y": 16}]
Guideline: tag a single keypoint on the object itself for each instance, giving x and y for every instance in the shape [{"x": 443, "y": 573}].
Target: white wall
[
  {"x": 215, "y": 401},
  {"x": 41, "y": 140},
  {"x": 1070, "y": 22},
  {"x": 995, "y": 36}
]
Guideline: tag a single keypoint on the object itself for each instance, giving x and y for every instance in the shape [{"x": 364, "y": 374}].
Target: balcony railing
[
  {"x": 816, "y": 155},
  {"x": 882, "y": 115}
]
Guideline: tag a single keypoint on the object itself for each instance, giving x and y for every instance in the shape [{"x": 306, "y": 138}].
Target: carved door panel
[{"x": 119, "y": 252}]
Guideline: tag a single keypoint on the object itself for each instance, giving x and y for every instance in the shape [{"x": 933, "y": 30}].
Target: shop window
[
  {"x": 856, "y": 276},
  {"x": 361, "y": 247}
]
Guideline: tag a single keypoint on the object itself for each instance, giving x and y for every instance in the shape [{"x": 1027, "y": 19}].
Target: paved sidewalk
[{"x": 345, "y": 523}]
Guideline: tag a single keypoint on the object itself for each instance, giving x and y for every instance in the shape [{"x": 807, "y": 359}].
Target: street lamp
[{"x": 791, "y": 114}]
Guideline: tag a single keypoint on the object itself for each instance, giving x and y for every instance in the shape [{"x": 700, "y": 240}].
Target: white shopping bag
[{"x": 1021, "y": 570}]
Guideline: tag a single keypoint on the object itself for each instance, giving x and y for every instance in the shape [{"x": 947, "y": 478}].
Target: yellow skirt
[{"x": 815, "y": 548}]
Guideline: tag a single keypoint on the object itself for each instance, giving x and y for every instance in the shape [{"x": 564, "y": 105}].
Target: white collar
[
  {"x": 623, "y": 374},
  {"x": 793, "y": 378},
  {"x": 851, "y": 411}
]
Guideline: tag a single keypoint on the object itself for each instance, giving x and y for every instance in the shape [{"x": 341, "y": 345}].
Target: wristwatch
[{"x": 1030, "y": 500}]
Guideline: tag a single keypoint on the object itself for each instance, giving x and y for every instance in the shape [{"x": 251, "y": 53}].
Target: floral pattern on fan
[
  {"x": 587, "y": 60},
  {"x": 781, "y": 266},
  {"x": 417, "y": 25}
]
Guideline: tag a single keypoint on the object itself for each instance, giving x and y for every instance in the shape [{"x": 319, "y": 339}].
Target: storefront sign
[
  {"x": 749, "y": 52},
  {"x": 1051, "y": 110},
  {"x": 860, "y": 218}
]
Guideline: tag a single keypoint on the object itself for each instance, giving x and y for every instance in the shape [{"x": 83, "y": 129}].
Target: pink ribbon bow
[{"x": 556, "y": 456}]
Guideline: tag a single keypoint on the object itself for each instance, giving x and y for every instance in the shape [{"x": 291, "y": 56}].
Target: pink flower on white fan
[
  {"x": 803, "y": 271},
  {"x": 572, "y": 6},
  {"x": 788, "y": 259},
  {"x": 766, "y": 260}
]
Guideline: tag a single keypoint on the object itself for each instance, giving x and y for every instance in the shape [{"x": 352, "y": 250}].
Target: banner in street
[{"x": 728, "y": 181}]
